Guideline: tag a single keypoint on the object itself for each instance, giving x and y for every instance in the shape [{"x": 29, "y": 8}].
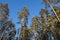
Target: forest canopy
[{"x": 45, "y": 26}]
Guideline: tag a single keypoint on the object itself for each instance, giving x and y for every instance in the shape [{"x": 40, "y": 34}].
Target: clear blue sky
[{"x": 15, "y": 6}]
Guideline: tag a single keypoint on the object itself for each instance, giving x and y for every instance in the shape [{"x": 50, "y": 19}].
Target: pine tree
[
  {"x": 55, "y": 10},
  {"x": 24, "y": 31},
  {"x": 7, "y": 28}
]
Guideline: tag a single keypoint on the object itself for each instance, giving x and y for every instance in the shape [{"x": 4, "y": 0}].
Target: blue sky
[{"x": 15, "y": 6}]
